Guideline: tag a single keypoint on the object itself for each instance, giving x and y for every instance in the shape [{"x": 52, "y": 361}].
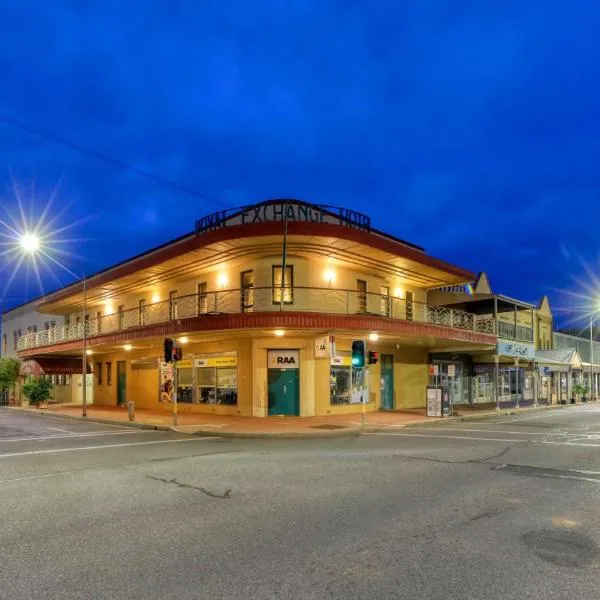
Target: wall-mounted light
[
  {"x": 127, "y": 347},
  {"x": 155, "y": 297},
  {"x": 279, "y": 332},
  {"x": 89, "y": 352},
  {"x": 329, "y": 276},
  {"x": 398, "y": 292},
  {"x": 183, "y": 339},
  {"x": 222, "y": 280},
  {"x": 108, "y": 307},
  {"x": 373, "y": 337}
]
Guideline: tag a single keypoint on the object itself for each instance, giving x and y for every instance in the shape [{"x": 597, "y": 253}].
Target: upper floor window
[
  {"x": 46, "y": 325},
  {"x": 247, "y": 295},
  {"x": 202, "y": 298},
  {"x": 361, "y": 295},
  {"x": 15, "y": 338},
  {"x": 121, "y": 313},
  {"x": 173, "y": 304},
  {"x": 142, "y": 311},
  {"x": 287, "y": 284},
  {"x": 34, "y": 329},
  {"x": 385, "y": 300},
  {"x": 67, "y": 320},
  {"x": 29, "y": 329},
  {"x": 409, "y": 306},
  {"x": 4, "y": 343}
]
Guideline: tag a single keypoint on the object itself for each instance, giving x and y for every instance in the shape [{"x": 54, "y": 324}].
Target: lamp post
[
  {"x": 30, "y": 243},
  {"x": 593, "y": 387}
]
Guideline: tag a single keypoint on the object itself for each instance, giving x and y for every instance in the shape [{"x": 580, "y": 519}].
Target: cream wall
[{"x": 22, "y": 318}]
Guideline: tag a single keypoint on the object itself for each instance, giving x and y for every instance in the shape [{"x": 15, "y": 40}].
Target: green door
[
  {"x": 121, "y": 382},
  {"x": 283, "y": 392},
  {"x": 387, "y": 381}
]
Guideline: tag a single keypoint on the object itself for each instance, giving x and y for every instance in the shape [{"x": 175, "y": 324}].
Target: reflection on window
[
  {"x": 288, "y": 284},
  {"x": 216, "y": 385}
]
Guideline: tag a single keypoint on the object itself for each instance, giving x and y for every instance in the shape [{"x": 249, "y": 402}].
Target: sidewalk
[{"x": 232, "y": 426}]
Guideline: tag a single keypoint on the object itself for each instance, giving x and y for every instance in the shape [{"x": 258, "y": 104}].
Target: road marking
[
  {"x": 489, "y": 431},
  {"x": 56, "y": 450},
  {"x": 450, "y": 437},
  {"x": 545, "y": 414},
  {"x": 72, "y": 436},
  {"x": 58, "y": 429},
  {"x": 35, "y": 477}
]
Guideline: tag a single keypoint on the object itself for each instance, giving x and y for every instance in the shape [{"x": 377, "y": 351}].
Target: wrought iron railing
[
  {"x": 519, "y": 332},
  {"x": 295, "y": 299}
]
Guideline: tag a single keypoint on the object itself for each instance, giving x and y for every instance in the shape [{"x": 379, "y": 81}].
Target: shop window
[
  {"x": 216, "y": 380},
  {"x": 108, "y": 373},
  {"x": 99, "y": 373},
  {"x": 67, "y": 380},
  {"x": 202, "y": 298},
  {"x": 247, "y": 291},
  {"x": 185, "y": 382},
  {"x": 347, "y": 385},
  {"x": 361, "y": 295},
  {"x": 287, "y": 285}
]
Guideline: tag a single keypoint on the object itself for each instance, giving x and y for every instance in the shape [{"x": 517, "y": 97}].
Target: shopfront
[
  {"x": 347, "y": 385},
  {"x": 283, "y": 381},
  {"x": 453, "y": 375}
]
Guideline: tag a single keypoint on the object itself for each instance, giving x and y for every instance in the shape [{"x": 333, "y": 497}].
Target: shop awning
[
  {"x": 559, "y": 360},
  {"x": 53, "y": 365}
]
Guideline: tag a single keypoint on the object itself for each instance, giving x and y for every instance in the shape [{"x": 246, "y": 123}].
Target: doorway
[
  {"x": 387, "y": 381},
  {"x": 283, "y": 392},
  {"x": 121, "y": 382}
]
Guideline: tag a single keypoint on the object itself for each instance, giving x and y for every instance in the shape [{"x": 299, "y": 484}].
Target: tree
[
  {"x": 9, "y": 373},
  {"x": 38, "y": 391}
]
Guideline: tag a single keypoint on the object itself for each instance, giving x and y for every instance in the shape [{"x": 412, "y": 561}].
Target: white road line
[
  {"x": 488, "y": 431},
  {"x": 450, "y": 437},
  {"x": 58, "y": 429},
  {"x": 72, "y": 436},
  {"x": 56, "y": 450},
  {"x": 540, "y": 416},
  {"x": 35, "y": 477}
]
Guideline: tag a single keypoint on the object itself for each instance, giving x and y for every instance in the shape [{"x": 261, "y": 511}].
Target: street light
[
  {"x": 30, "y": 243},
  {"x": 593, "y": 385}
]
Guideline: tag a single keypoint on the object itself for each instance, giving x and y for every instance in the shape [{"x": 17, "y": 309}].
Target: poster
[
  {"x": 451, "y": 370},
  {"x": 434, "y": 370},
  {"x": 166, "y": 382},
  {"x": 434, "y": 401}
]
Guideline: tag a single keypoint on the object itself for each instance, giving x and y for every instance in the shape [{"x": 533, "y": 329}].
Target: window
[
  {"x": 172, "y": 305},
  {"x": 46, "y": 325},
  {"x": 409, "y": 306},
  {"x": 15, "y": 338},
  {"x": 216, "y": 380},
  {"x": 288, "y": 284},
  {"x": 52, "y": 324},
  {"x": 67, "y": 320},
  {"x": 347, "y": 385},
  {"x": 247, "y": 296},
  {"x": 67, "y": 380},
  {"x": 185, "y": 381},
  {"x": 385, "y": 300},
  {"x": 34, "y": 329},
  {"x": 98, "y": 322},
  {"x": 202, "y": 298},
  {"x": 99, "y": 373},
  {"x": 29, "y": 330},
  {"x": 108, "y": 373},
  {"x": 19, "y": 332},
  {"x": 142, "y": 311},
  {"x": 121, "y": 311},
  {"x": 361, "y": 295},
  {"x": 4, "y": 343}
]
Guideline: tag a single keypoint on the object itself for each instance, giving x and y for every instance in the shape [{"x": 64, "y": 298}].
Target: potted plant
[
  {"x": 38, "y": 392},
  {"x": 579, "y": 390}
]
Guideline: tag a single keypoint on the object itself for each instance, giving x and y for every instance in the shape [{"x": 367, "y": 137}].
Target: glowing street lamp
[{"x": 29, "y": 242}]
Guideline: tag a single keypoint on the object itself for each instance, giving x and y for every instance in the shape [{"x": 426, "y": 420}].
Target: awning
[
  {"x": 559, "y": 360},
  {"x": 53, "y": 365}
]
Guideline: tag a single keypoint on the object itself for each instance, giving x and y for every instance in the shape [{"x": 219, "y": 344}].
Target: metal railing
[
  {"x": 519, "y": 333},
  {"x": 295, "y": 299}
]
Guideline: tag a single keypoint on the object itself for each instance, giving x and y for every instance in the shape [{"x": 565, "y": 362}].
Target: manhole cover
[
  {"x": 329, "y": 426},
  {"x": 562, "y": 547}
]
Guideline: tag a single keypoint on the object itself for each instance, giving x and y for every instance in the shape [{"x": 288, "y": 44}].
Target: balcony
[
  {"x": 295, "y": 299},
  {"x": 512, "y": 332}
]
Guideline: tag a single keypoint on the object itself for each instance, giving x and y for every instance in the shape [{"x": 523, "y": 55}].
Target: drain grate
[{"x": 328, "y": 426}]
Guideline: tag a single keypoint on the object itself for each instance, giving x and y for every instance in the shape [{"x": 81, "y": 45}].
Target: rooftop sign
[{"x": 280, "y": 211}]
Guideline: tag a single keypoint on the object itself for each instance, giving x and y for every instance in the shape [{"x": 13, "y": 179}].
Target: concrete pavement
[{"x": 497, "y": 509}]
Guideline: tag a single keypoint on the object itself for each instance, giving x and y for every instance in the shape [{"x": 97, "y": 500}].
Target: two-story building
[{"x": 265, "y": 301}]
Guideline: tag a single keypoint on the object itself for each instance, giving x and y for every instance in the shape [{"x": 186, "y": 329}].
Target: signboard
[
  {"x": 280, "y": 211},
  {"x": 166, "y": 382},
  {"x": 184, "y": 364},
  {"x": 446, "y": 408},
  {"x": 434, "y": 369},
  {"x": 324, "y": 346},
  {"x": 283, "y": 359},
  {"x": 451, "y": 370},
  {"x": 434, "y": 401},
  {"x": 516, "y": 349},
  {"x": 217, "y": 361},
  {"x": 341, "y": 361}
]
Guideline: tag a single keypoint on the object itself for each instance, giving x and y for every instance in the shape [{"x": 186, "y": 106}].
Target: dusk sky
[{"x": 470, "y": 128}]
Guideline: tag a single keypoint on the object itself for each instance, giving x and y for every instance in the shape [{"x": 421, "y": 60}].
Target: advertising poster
[{"x": 166, "y": 382}]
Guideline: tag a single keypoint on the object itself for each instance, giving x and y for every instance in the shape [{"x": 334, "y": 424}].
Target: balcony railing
[
  {"x": 519, "y": 333},
  {"x": 295, "y": 299}
]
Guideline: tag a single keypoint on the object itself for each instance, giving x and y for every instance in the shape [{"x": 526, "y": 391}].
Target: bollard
[{"x": 131, "y": 410}]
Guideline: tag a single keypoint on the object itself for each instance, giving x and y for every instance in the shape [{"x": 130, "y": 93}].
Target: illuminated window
[{"x": 288, "y": 284}]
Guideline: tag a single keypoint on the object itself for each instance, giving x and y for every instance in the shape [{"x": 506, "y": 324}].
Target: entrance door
[
  {"x": 283, "y": 392},
  {"x": 387, "y": 381},
  {"x": 121, "y": 382}
]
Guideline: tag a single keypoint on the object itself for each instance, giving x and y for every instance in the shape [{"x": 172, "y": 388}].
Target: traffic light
[
  {"x": 168, "y": 345},
  {"x": 373, "y": 357},
  {"x": 177, "y": 353},
  {"x": 358, "y": 354}
]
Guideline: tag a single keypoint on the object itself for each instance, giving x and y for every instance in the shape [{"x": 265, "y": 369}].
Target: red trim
[
  {"x": 283, "y": 320},
  {"x": 194, "y": 242}
]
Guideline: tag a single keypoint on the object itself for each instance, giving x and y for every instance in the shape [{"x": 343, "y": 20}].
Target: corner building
[{"x": 265, "y": 301}]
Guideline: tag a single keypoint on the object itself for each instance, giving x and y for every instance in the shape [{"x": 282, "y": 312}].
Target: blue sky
[{"x": 470, "y": 128}]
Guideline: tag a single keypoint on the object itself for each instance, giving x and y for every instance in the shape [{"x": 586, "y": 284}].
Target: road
[{"x": 502, "y": 508}]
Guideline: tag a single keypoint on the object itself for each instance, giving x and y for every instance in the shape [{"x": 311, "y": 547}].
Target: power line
[{"x": 115, "y": 162}]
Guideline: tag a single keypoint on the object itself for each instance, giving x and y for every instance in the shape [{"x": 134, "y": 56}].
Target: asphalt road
[{"x": 482, "y": 510}]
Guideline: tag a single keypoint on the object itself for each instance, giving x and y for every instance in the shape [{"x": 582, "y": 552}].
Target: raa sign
[{"x": 283, "y": 359}]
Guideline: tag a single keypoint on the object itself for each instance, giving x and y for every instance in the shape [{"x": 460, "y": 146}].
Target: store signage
[
  {"x": 184, "y": 364},
  {"x": 515, "y": 349},
  {"x": 341, "y": 361},
  {"x": 451, "y": 370},
  {"x": 324, "y": 346},
  {"x": 434, "y": 370},
  {"x": 283, "y": 359},
  {"x": 278, "y": 212},
  {"x": 217, "y": 361}
]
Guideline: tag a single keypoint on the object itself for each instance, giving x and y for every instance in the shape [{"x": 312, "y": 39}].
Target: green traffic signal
[{"x": 358, "y": 354}]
